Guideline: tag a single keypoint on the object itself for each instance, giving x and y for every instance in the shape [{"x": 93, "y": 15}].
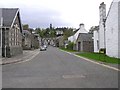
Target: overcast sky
[{"x": 69, "y": 13}]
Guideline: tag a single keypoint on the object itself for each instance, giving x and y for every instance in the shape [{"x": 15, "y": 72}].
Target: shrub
[{"x": 70, "y": 46}]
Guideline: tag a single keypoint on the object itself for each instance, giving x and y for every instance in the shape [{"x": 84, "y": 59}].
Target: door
[{"x": 79, "y": 46}]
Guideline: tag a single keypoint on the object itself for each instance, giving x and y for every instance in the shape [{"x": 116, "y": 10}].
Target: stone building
[
  {"x": 59, "y": 41},
  {"x": 35, "y": 41},
  {"x": 84, "y": 42},
  {"x": 27, "y": 41},
  {"x": 30, "y": 40},
  {"x": 75, "y": 36},
  {"x": 11, "y": 32}
]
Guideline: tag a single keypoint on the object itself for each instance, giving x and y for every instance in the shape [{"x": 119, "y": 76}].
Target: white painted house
[
  {"x": 99, "y": 35},
  {"x": 75, "y": 36},
  {"x": 109, "y": 36},
  {"x": 113, "y": 30},
  {"x": 96, "y": 40}
]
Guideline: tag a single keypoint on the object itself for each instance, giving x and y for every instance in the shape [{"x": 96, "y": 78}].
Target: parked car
[
  {"x": 54, "y": 45},
  {"x": 45, "y": 46},
  {"x": 42, "y": 48}
]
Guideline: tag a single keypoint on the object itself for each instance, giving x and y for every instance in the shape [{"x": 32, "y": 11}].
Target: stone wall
[
  {"x": 15, "y": 50},
  {"x": 88, "y": 46}
]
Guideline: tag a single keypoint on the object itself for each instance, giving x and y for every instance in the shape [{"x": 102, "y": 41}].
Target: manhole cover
[{"x": 73, "y": 76}]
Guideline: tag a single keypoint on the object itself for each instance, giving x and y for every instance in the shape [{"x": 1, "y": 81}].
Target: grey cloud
[{"x": 42, "y": 17}]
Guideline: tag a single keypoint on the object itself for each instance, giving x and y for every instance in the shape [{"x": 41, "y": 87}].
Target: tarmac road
[{"x": 56, "y": 69}]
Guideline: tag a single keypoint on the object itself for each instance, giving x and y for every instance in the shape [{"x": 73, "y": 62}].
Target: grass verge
[
  {"x": 100, "y": 57},
  {"x": 96, "y": 56}
]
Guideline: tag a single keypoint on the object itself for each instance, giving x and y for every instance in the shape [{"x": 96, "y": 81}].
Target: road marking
[
  {"x": 110, "y": 67},
  {"x": 73, "y": 76}
]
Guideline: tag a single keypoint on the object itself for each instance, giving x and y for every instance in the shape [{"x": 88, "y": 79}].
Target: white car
[
  {"x": 42, "y": 48},
  {"x": 45, "y": 46}
]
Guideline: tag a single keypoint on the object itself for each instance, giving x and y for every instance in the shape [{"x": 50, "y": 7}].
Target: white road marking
[
  {"x": 110, "y": 67},
  {"x": 73, "y": 76}
]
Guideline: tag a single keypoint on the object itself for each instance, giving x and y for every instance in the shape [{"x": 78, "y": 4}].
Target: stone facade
[
  {"x": 35, "y": 41},
  {"x": 27, "y": 41},
  {"x": 84, "y": 43},
  {"x": 11, "y": 32},
  {"x": 30, "y": 40},
  {"x": 60, "y": 41}
]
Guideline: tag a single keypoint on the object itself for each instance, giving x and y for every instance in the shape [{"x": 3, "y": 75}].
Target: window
[{"x": 97, "y": 44}]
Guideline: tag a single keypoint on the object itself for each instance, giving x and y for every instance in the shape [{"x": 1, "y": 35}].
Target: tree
[
  {"x": 67, "y": 33},
  {"x": 25, "y": 27},
  {"x": 93, "y": 28}
]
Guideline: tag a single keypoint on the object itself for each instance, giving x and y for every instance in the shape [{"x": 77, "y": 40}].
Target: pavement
[
  {"x": 57, "y": 69},
  {"x": 21, "y": 57}
]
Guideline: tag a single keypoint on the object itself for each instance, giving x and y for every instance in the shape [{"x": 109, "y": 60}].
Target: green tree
[
  {"x": 67, "y": 33},
  {"x": 25, "y": 26},
  {"x": 93, "y": 28}
]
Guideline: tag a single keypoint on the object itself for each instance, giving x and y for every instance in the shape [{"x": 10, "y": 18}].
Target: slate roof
[
  {"x": 8, "y": 15},
  {"x": 26, "y": 31},
  {"x": 85, "y": 37}
]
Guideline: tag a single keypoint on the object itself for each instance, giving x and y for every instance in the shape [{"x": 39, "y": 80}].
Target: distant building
[
  {"x": 27, "y": 41},
  {"x": 11, "y": 32},
  {"x": 35, "y": 41},
  {"x": 84, "y": 42},
  {"x": 59, "y": 33},
  {"x": 75, "y": 36},
  {"x": 59, "y": 41},
  {"x": 30, "y": 40}
]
